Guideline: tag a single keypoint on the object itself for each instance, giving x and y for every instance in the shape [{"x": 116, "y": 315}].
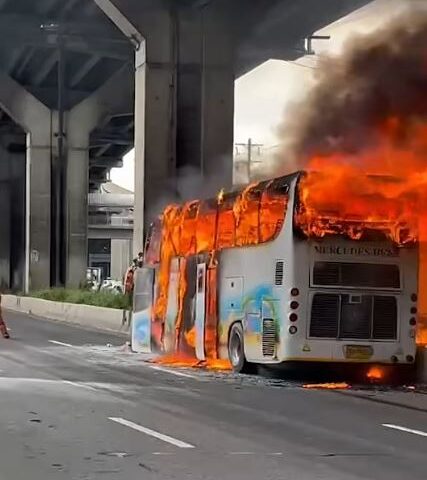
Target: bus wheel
[{"x": 236, "y": 350}]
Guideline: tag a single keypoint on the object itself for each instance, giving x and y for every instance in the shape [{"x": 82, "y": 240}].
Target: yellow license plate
[{"x": 358, "y": 352}]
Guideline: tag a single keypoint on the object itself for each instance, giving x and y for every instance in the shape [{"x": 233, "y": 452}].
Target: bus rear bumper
[{"x": 387, "y": 353}]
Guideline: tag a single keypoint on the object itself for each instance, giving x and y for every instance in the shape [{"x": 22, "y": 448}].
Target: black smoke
[{"x": 381, "y": 76}]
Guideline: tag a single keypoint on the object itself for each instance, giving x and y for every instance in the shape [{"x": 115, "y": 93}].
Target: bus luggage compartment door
[{"x": 200, "y": 312}]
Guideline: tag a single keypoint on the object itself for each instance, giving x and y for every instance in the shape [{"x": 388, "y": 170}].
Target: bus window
[
  {"x": 188, "y": 241},
  {"x": 206, "y": 225},
  {"x": 226, "y": 223},
  {"x": 247, "y": 218},
  {"x": 274, "y": 201}
]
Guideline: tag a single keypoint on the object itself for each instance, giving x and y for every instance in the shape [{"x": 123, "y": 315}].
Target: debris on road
[{"x": 327, "y": 386}]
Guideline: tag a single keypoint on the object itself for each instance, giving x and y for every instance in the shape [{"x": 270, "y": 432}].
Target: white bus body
[{"x": 305, "y": 300}]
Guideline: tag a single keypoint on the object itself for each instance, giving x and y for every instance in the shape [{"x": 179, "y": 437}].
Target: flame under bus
[{"x": 259, "y": 277}]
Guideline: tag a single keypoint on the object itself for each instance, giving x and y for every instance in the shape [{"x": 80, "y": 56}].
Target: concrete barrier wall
[{"x": 98, "y": 318}]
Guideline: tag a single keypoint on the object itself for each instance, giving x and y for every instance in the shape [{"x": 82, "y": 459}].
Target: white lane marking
[
  {"x": 60, "y": 343},
  {"x": 80, "y": 385},
  {"x": 241, "y": 453},
  {"x": 152, "y": 433},
  {"x": 404, "y": 429},
  {"x": 173, "y": 372}
]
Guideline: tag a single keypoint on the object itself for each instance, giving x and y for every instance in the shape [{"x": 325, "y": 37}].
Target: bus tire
[{"x": 236, "y": 350}]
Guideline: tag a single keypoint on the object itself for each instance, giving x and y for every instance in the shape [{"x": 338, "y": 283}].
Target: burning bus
[{"x": 275, "y": 273}]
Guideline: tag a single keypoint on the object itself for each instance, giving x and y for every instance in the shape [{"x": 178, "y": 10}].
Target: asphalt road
[{"x": 72, "y": 407}]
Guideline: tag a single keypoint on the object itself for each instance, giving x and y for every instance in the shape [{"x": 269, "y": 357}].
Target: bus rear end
[{"x": 361, "y": 302}]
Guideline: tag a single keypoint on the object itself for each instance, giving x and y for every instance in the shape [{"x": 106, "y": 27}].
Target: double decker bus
[{"x": 249, "y": 278}]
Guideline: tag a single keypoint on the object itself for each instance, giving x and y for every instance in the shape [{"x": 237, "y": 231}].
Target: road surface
[{"x": 74, "y": 405}]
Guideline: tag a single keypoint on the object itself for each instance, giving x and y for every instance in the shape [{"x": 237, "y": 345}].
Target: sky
[{"x": 263, "y": 95}]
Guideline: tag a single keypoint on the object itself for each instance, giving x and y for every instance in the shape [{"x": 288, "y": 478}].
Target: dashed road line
[
  {"x": 152, "y": 433},
  {"x": 173, "y": 372},
  {"x": 80, "y": 385},
  {"x": 60, "y": 343},
  {"x": 405, "y": 429}
]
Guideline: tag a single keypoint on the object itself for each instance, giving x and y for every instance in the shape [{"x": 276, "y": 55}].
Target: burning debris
[
  {"x": 375, "y": 374},
  {"x": 327, "y": 386}
]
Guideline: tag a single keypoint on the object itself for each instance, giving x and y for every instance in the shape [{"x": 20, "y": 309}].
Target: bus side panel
[
  {"x": 251, "y": 270},
  {"x": 267, "y": 274}
]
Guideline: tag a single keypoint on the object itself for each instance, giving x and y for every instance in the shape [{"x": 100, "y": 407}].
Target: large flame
[
  {"x": 363, "y": 128},
  {"x": 383, "y": 188}
]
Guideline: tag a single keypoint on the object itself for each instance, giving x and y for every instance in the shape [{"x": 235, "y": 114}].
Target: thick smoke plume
[{"x": 382, "y": 76}]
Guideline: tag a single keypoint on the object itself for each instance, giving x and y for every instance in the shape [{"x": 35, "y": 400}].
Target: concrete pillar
[
  {"x": 12, "y": 214},
  {"x": 77, "y": 186},
  {"x": 155, "y": 119},
  {"x": 38, "y": 208},
  {"x": 35, "y": 118},
  {"x": 17, "y": 226},
  {"x": 5, "y": 214},
  {"x": 184, "y": 90},
  {"x": 112, "y": 98},
  {"x": 120, "y": 258}
]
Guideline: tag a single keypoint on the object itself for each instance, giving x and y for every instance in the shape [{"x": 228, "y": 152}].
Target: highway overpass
[{"x": 79, "y": 77}]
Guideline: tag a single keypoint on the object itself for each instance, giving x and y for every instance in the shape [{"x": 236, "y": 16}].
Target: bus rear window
[{"x": 367, "y": 275}]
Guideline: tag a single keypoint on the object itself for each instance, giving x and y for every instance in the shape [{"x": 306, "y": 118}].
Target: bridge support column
[
  {"x": 35, "y": 118},
  {"x": 184, "y": 91},
  {"x": 12, "y": 215},
  {"x": 5, "y": 216},
  {"x": 81, "y": 121}
]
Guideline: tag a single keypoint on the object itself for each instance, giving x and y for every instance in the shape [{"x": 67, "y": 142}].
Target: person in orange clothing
[
  {"x": 129, "y": 281},
  {"x": 3, "y": 327}
]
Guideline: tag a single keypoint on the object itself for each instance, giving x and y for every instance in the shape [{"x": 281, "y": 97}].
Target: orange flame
[
  {"x": 382, "y": 188},
  {"x": 375, "y": 374},
  {"x": 180, "y": 360},
  {"x": 190, "y": 337}
]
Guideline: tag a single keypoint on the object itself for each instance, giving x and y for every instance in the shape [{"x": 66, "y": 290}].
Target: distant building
[{"x": 110, "y": 230}]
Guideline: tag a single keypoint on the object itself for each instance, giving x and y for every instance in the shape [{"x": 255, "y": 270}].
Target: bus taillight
[
  {"x": 294, "y": 305},
  {"x": 295, "y": 292},
  {"x": 414, "y": 297},
  {"x": 293, "y": 329},
  {"x": 414, "y": 310},
  {"x": 412, "y": 322},
  {"x": 293, "y": 317}
]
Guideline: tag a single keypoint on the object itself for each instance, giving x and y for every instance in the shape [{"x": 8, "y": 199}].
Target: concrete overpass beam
[
  {"x": 114, "y": 97},
  {"x": 35, "y": 119}
]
